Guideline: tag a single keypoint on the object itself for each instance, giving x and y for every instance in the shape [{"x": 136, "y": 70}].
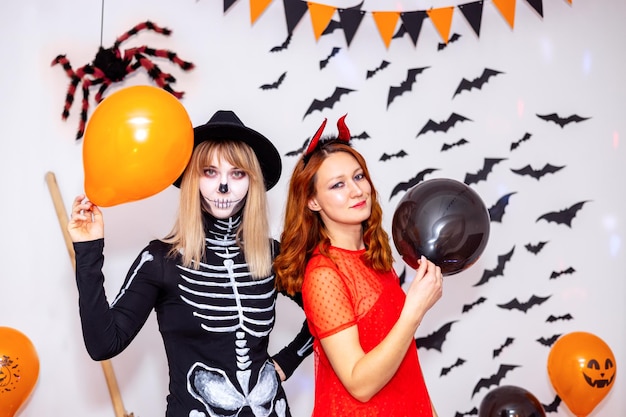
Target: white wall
[{"x": 569, "y": 62}]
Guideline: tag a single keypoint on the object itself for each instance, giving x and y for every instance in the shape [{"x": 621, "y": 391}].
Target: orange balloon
[
  {"x": 138, "y": 142},
  {"x": 19, "y": 370},
  {"x": 582, "y": 369}
]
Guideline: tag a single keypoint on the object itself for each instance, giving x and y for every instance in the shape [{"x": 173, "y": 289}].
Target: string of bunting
[{"x": 386, "y": 21}]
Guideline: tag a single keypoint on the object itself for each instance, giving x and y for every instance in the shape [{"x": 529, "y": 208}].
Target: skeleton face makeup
[{"x": 223, "y": 187}]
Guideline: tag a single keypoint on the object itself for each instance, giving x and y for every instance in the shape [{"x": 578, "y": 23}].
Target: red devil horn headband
[{"x": 344, "y": 134}]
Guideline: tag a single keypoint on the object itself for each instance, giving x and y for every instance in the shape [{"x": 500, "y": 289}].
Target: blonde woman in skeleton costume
[{"x": 210, "y": 282}]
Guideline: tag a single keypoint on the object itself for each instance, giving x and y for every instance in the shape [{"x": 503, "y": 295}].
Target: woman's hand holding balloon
[
  {"x": 86, "y": 222},
  {"x": 425, "y": 290}
]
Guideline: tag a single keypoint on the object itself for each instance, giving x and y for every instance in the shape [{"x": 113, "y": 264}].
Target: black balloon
[
  {"x": 444, "y": 220},
  {"x": 510, "y": 401}
]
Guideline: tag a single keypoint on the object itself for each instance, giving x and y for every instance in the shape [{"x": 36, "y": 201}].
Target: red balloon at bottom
[
  {"x": 19, "y": 370},
  {"x": 444, "y": 220}
]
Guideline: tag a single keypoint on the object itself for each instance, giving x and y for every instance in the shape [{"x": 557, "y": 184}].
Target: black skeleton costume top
[{"x": 215, "y": 323}]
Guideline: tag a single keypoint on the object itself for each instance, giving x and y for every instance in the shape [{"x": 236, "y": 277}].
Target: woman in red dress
[{"x": 336, "y": 252}]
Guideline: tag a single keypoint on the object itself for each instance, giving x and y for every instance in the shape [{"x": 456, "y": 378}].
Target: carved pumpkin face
[
  {"x": 599, "y": 375},
  {"x": 581, "y": 368},
  {"x": 19, "y": 369},
  {"x": 5, "y": 371}
]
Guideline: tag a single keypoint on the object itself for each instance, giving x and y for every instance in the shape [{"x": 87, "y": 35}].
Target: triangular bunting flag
[
  {"x": 350, "y": 21},
  {"x": 569, "y": 1},
  {"x": 386, "y": 23},
  {"x": 257, "y": 7},
  {"x": 442, "y": 19},
  {"x": 412, "y": 23},
  {"x": 227, "y": 4},
  {"x": 294, "y": 10},
  {"x": 507, "y": 9},
  {"x": 537, "y": 5},
  {"x": 473, "y": 13},
  {"x": 320, "y": 17}
]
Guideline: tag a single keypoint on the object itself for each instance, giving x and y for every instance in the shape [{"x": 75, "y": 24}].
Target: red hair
[{"x": 304, "y": 230}]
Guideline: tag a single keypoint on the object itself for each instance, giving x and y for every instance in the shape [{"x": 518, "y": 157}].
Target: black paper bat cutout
[
  {"x": 446, "y": 370},
  {"x": 363, "y": 135},
  {"x": 435, "y": 340},
  {"x": 562, "y": 121},
  {"x": 538, "y": 173},
  {"x": 400, "y": 32},
  {"x": 548, "y": 341},
  {"x": 467, "y": 85},
  {"x": 332, "y": 26},
  {"x": 468, "y": 307},
  {"x": 563, "y": 216},
  {"x": 298, "y": 151},
  {"x": 498, "y": 270},
  {"x": 507, "y": 342},
  {"x": 553, "y": 406},
  {"x": 556, "y": 274},
  {"x": 472, "y": 412},
  {"x": 399, "y": 154},
  {"x": 515, "y": 304},
  {"x": 325, "y": 62},
  {"x": 328, "y": 102},
  {"x": 402, "y": 277},
  {"x": 494, "y": 379},
  {"x": 455, "y": 37},
  {"x": 275, "y": 84},
  {"x": 282, "y": 46},
  {"x": 404, "y": 186},
  {"x": 515, "y": 145},
  {"x": 447, "y": 146},
  {"x": 406, "y": 85},
  {"x": 496, "y": 212},
  {"x": 443, "y": 126},
  {"x": 553, "y": 318},
  {"x": 535, "y": 249},
  {"x": 482, "y": 173},
  {"x": 370, "y": 73}
]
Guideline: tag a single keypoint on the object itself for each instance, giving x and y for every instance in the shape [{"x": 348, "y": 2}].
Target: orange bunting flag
[
  {"x": 320, "y": 17},
  {"x": 386, "y": 23},
  {"x": 507, "y": 9},
  {"x": 257, "y": 7},
  {"x": 442, "y": 19}
]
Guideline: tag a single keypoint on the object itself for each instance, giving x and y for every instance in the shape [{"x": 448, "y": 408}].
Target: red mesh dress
[{"x": 344, "y": 293}]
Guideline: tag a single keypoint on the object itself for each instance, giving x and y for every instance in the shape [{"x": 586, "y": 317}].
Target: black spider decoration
[{"x": 112, "y": 65}]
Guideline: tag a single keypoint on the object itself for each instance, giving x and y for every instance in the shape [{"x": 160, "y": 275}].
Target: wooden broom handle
[{"x": 107, "y": 367}]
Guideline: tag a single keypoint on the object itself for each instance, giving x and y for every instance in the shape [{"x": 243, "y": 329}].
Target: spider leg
[
  {"x": 85, "y": 105},
  {"x": 163, "y": 79},
  {"x": 98, "y": 77},
  {"x": 74, "y": 81},
  {"x": 147, "y": 25},
  {"x": 63, "y": 61},
  {"x": 83, "y": 111},
  {"x": 163, "y": 53},
  {"x": 69, "y": 97},
  {"x": 99, "y": 95}
]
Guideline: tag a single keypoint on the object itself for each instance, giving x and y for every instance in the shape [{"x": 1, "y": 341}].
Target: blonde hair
[{"x": 188, "y": 237}]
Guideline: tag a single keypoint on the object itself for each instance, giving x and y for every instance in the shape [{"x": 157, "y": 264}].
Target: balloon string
[{"x": 101, "y": 22}]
